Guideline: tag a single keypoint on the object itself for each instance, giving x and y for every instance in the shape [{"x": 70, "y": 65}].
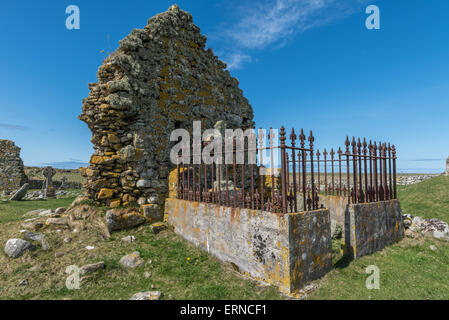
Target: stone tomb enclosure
[{"x": 284, "y": 250}]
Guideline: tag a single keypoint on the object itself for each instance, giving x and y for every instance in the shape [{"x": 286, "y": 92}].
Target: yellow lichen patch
[
  {"x": 82, "y": 171},
  {"x": 100, "y": 159},
  {"x": 105, "y": 194},
  {"x": 193, "y": 44},
  {"x": 113, "y": 138},
  {"x": 173, "y": 184},
  {"x": 114, "y": 203}
]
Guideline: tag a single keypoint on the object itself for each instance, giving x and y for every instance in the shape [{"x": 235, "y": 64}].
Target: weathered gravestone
[
  {"x": 19, "y": 194},
  {"x": 159, "y": 79},
  {"x": 49, "y": 189},
  {"x": 63, "y": 183}
]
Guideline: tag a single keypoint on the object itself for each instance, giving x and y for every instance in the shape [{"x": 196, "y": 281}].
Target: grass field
[
  {"x": 72, "y": 175},
  {"x": 178, "y": 269},
  {"x": 408, "y": 270}
]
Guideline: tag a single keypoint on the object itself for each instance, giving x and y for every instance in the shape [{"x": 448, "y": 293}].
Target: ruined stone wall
[
  {"x": 12, "y": 174},
  {"x": 159, "y": 79}
]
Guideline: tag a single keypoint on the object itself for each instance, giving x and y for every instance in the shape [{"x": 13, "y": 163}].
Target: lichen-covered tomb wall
[{"x": 159, "y": 79}]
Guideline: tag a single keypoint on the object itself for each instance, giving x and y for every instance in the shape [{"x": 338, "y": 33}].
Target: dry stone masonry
[
  {"x": 12, "y": 174},
  {"x": 159, "y": 79}
]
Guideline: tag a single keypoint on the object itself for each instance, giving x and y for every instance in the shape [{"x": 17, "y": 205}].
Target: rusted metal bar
[
  {"x": 271, "y": 139},
  {"x": 348, "y": 177},
  {"x": 354, "y": 160},
  {"x": 365, "y": 167},
  {"x": 302, "y": 138},
  {"x": 359, "y": 153},
  {"x": 311, "y": 140},
  {"x": 384, "y": 155},
  {"x": 370, "y": 152},
  {"x": 376, "y": 180},
  {"x": 262, "y": 176},
  {"x": 332, "y": 153},
  {"x": 293, "y": 143},
  {"x": 381, "y": 188},
  {"x": 318, "y": 154},
  {"x": 287, "y": 182},
  {"x": 390, "y": 188},
  {"x": 325, "y": 171},
  {"x": 283, "y": 170},
  {"x": 339, "y": 171},
  {"x": 395, "y": 195}
]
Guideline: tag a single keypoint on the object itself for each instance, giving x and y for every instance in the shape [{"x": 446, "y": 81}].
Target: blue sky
[{"x": 301, "y": 63}]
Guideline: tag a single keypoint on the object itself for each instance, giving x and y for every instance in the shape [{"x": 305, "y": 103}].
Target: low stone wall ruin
[
  {"x": 284, "y": 250},
  {"x": 12, "y": 174}
]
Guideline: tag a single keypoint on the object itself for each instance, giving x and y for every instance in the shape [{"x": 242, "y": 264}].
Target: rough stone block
[{"x": 369, "y": 227}]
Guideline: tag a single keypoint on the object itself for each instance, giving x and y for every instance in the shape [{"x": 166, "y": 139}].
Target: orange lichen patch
[
  {"x": 105, "y": 194},
  {"x": 115, "y": 203},
  {"x": 102, "y": 159},
  {"x": 173, "y": 183}
]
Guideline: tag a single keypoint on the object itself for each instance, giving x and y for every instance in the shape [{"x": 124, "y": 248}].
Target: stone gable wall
[
  {"x": 12, "y": 174},
  {"x": 160, "y": 78}
]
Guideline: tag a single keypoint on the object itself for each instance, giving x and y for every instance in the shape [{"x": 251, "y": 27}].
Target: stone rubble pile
[
  {"x": 434, "y": 228},
  {"x": 412, "y": 179}
]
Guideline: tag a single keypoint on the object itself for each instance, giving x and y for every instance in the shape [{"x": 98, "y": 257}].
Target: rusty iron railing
[
  {"x": 365, "y": 173},
  {"x": 370, "y": 167}
]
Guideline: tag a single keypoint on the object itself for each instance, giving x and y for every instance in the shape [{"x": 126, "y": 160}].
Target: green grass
[
  {"x": 409, "y": 269},
  {"x": 179, "y": 269},
  {"x": 72, "y": 175},
  {"x": 427, "y": 199},
  {"x": 13, "y": 210}
]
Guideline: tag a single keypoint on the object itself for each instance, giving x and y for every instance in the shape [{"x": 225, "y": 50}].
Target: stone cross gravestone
[{"x": 49, "y": 190}]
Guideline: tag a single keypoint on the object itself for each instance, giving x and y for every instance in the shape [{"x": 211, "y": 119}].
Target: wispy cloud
[
  {"x": 9, "y": 126},
  {"x": 271, "y": 23},
  {"x": 236, "y": 60},
  {"x": 426, "y": 160}
]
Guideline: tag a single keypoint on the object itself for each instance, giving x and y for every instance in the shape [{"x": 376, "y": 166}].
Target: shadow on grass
[{"x": 343, "y": 262}]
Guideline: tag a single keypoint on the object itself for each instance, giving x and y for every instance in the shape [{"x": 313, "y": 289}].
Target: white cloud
[
  {"x": 273, "y": 22},
  {"x": 236, "y": 60}
]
